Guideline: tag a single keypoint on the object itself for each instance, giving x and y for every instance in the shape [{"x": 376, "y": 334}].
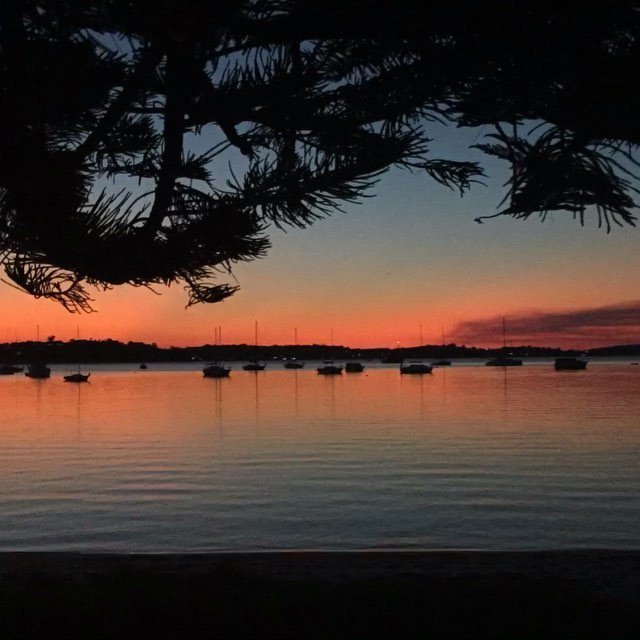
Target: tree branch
[
  {"x": 149, "y": 60},
  {"x": 173, "y": 136}
]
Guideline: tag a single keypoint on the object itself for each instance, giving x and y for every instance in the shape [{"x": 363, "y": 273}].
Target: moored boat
[
  {"x": 215, "y": 370},
  {"x": 77, "y": 377},
  {"x": 354, "y": 367},
  {"x": 9, "y": 369},
  {"x": 329, "y": 369},
  {"x": 37, "y": 370},
  {"x": 415, "y": 367},
  {"x": 254, "y": 366},
  {"x": 293, "y": 365},
  {"x": 441, "y": 363},
  {"x": 504, "y": 361},
  {"x": 569, "y": 364}
]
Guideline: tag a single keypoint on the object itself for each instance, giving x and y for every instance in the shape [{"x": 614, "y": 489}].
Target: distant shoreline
[{"x": 113, "y": 351}]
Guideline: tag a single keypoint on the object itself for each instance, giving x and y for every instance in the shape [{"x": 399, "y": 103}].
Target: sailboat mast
[
  {"x": 420, "y": 335},
  {"x": 256, "y": 332},
  {"x": 295, "y": 336},
  {"x": 78, "y": 340},
  {"x": 504, "y": 333}
]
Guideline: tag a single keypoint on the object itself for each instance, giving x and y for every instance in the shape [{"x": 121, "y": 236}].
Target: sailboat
[
  {"x": 78, "y": 376},
  {"x": 443, "y": 362},
  {"x": 37, "y": 369},
  {"x": 329, "y": 368},
  {"x": 214, "y": 369},
  {"x": 504, "y": 361},
  {"x": 292, "y": 364},
  {"x": 254, "y": 365}
]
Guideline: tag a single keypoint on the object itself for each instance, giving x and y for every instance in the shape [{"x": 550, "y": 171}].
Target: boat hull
[
  {"x": 504, "y": 362},
  {"x": 77, "y": 377},
  {"x": 38, "y": 371},
  {"x": 569, "y": 364},
  {"x": 416, "y": 369},
  {"x": 330, "y": 370},
  {"x": 9, "y": 370},
  {"x": 215, "y": 371},
  {"x": 254, "y": 367}
]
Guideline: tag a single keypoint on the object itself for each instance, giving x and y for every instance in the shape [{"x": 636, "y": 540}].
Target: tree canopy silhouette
[{"x": 116, "y": 116}]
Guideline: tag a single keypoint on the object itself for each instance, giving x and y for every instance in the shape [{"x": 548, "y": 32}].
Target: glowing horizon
[{"x": 411, "y": 256}]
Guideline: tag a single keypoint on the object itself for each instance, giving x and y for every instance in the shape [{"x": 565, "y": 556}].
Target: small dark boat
[
  {"x": 441, "y": 363},
  {"x": 216, "y": 371},
  {"x": 9, "y": 369},
  {"x": 569, "y": 364},
  {"x": 416, "y": 367},
  {"x": 143, "y": 365},
  {"x": 77, "y": 377},
  {"x": 329, "y": 369},
  {"x": 353, "y": 367},
  {"x": 40, "y": 371},
  {"x": 293, "y": 365},
  {"x": 254, "y": 366},
  {"x": 504, "y": 361}
]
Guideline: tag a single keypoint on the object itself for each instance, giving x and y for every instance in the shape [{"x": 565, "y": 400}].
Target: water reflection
[{"x": 467, "y": 456}]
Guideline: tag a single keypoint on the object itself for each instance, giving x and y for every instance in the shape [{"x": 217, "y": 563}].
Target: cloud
[{"x": 614, "y": 324}]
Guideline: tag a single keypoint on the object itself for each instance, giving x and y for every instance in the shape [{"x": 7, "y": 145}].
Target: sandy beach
[{"x": 445, "y": 594}]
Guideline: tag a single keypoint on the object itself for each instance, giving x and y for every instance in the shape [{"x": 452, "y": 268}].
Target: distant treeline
[{"x": 54, "y": 351}]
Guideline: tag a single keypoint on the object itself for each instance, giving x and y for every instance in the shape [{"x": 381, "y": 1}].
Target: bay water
[{"x": 469, "y": 457}]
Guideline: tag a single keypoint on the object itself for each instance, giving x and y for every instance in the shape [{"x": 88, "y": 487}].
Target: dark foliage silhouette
[{"x": 116, "y": 118}]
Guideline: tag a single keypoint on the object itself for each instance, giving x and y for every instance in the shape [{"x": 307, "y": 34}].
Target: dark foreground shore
[{"x": 559, "y": 594}]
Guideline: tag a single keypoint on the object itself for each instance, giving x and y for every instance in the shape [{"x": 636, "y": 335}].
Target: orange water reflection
[{"x": 300, "y": 405}]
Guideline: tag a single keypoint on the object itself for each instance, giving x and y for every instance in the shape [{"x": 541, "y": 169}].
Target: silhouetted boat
[
  {"x": 504, "y": 361},
  {"x": 353, "y": 367},
  {"x": 9, "y": 369},
  {"x": 416, "y": 367},
  {"x": 293, "y": 365},
  {"x": 216, "y": 371},
  {"x": 143, "y": 365},
  {"x": 77, "y": 377},
  {"x": 37, "y": 370},
  {"x": 254, "y": 365},
  {"x": 329, "y": 369},
  {"x": 441, "y": 363},
  {"x": 570, "y": 364}
]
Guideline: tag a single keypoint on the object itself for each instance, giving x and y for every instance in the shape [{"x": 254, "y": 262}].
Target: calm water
[{"x": 469, "y": 457}]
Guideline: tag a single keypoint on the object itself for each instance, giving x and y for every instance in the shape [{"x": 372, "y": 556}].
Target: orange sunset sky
[{"x": 411, "y": 256}]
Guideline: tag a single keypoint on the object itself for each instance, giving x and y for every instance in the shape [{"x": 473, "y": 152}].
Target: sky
[{"x": 407, "y": 262}]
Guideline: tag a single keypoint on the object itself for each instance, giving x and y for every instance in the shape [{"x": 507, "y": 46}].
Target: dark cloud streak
[{"x": 610, "y": 324}]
